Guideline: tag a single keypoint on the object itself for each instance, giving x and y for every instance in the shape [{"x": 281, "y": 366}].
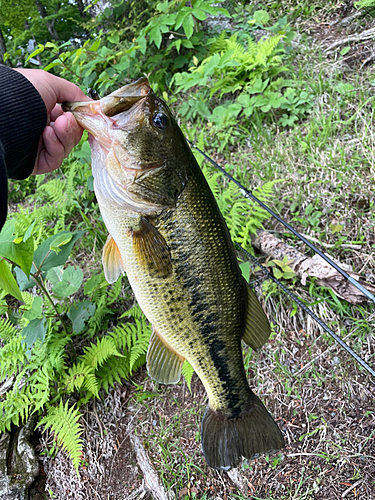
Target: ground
[{"x": 323, "y": 402}]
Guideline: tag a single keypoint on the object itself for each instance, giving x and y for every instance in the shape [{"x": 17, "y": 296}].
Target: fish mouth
[{"x": 119, "y": 101}]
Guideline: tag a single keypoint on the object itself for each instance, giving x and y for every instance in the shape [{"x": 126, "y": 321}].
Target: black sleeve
[{"x": 23, "y": 117}]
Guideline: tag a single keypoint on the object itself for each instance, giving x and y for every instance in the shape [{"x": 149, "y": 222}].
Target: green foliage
[
  {"x": 245, "y": 74},
  {"x": 233, "y": 66},
  {"x": 37, "y": 353},
  {"x": 64, "y": 423},
  {"x": 243, "y": 217},
  {"x": 362, "y": 4}
]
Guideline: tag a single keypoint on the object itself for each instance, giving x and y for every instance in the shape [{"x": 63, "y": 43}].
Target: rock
[{"x": 18, "y": 463}]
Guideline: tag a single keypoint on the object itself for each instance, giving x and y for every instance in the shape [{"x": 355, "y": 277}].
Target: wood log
[
  {"x": 313, "y": 267},
  {"x": 151, "y": 479}
]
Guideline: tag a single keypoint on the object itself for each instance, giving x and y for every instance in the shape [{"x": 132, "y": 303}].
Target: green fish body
[{"x": 167, "y": 233}]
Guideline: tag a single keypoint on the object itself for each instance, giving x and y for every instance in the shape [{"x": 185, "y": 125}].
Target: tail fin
[{"x": 226, "y": 440}]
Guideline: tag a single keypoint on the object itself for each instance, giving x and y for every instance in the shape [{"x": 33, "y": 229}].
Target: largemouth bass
[{"x": 167, "y": 233}]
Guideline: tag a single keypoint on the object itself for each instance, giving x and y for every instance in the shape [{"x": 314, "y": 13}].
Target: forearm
[{"x": 23, "y": 117}]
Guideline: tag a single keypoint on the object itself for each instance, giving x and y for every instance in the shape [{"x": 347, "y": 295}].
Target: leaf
[
  {"x": 183, "y": 13},
  {"x": 45, "y": 258},
  {"x": 162, "y": 7},
  {"x": 64, "y": 423},
  {"x": 7, "y": 281},
  {"x": 36, "y": 310},
  {"x": 23, "y": 281},
  {"x": 55, "y": 275},
  {"x": 343, "y": 88},
  {"x": 187, "y": 371},
  {"x": 71, "y": 281},
  {"x": 36, "y": 52},
  {"x": 29, "y": 230},
  {"x": 60, "y": 241},
  {"x": 188, "y": 26},
  {"x": 35, "y": 330},
  {"x": 199, "y": 14},
  {"x": 345, "y": 50},
  {"x": 155, "y": 36},
  {"x": 98, "y": 353},
  {"x": 18, "y": 251},
  {"x": 79, "y": 313},
  {"x": 96, "y": 281},
  {"x": 277, "y": 273},
  {"x": 336, "y": 228},
  {"x": 245, "y": 270},
  {"x": 261, "y": 17}
]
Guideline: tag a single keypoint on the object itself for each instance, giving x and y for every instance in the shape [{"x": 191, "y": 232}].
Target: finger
[
  {"x": 58, "y": 143},
  {"x": 66, "y": 91},
  {"x": 56, "y": 112},
  {"x": 67, "y": 131},
  {"x": 51, "y": 153}
]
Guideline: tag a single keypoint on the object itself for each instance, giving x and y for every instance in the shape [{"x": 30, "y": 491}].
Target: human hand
[{"x": 62, "y": 132}]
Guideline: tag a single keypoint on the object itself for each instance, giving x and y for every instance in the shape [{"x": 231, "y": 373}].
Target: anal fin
[
  {"x": 112, "y": 261},
  {"x": 163, "y": 364},
  {"x": 257, "y": 330},
  {"x": 151, "y": 250}
]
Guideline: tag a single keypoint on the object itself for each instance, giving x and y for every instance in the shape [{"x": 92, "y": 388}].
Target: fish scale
[{"x": 167, "y": 233}]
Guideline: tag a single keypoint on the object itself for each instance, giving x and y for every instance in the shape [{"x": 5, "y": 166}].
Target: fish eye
[{"x": 160, "y": 120}]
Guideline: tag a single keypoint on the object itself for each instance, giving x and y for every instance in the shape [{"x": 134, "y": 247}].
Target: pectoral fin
[
  {"x": 151, "y": 250},
  {"x": 163, "y": 364},
  {"x": 112, "y": 261},
  {"x": 257, "y": 328}
]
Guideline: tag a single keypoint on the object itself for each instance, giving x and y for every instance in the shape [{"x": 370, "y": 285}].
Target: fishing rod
[
  {"x": 248, "y": 194},
  {"x": 321, "y": 323}
]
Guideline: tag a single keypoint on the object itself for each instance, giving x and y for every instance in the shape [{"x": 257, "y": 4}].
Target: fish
[{"x": 168, "y": 235}]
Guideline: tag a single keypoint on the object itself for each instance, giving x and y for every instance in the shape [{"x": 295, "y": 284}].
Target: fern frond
[
  {"x": 187, "y": 372},
  {"x": 81, "y": 376},
  {"x": 220, "y": 43},
  {"x": 98, "y": 353},
  {"x": 141, "y": 343},
  {"x": 12, "y": 357},
  {"x": 54, "y": 190},
  {"x": 113, "y": 371},
  {"x": 114, "y": 291},
  {"x": 64, "y": 423},
  {"x": 14, "y": 409},
  {"x": 7, "y": 329},
  {"x": 39, "y": 390},
  {"x": 55, "y": 347}
]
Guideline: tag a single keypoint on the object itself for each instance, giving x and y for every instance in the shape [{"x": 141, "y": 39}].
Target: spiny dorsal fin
[
  {"x": 257, "y": 328},
  {"x": 151, "y": 250},
  {"x": 163, "y": 364},
  {"x": 112, "y": 261}
]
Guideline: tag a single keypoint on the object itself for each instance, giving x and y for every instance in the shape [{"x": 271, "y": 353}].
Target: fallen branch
[
  {"x": 346, "y": 20},
  {"x": 152, "y": 482},
  {"x": 361, "y": 37},
  {"x": 369, "y": 59},
  {"x": 238, "y": 481},
  {"x": 314, "y": 267}
]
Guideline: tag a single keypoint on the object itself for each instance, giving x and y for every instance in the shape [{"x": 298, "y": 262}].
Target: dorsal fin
[
  {"x": 163, "y": 364},
  {"x": 257, "y": 330}
]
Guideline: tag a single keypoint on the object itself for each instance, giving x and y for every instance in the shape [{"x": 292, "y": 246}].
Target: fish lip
[
  {"x": 124, "y": 98},
  {"x": 118, "y": 101},
  {"x": 74, "y": 106}
]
